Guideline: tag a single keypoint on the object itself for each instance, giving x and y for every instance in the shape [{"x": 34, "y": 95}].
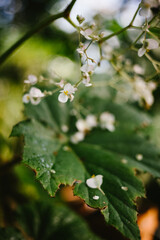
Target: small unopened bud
[
  {"x": 95, "y": 38},
  {"x": 92, "y": 60},
  {"x": 101, "y": 35},
  {"x": 93, "y": 25},
  {"x": 81, "y": 45},
  {"x": 80, "y": 19}
]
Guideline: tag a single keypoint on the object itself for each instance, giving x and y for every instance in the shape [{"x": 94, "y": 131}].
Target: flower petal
[
  {"x": 60, "y": 84},
  {"x": 35, "y": 101},
  {"x": 32, "y": 79},
  {"x": 71, "y": 97},
  {"x": 91, "y": 120},
  {"x": 145, "y": 12},
  {"x": 95, "y": 182},
  {"x": 77, "y": 137},
  {"x": 62, "y": 98},
  {"x": 152, "y": 44},
  {"x": 141, "y": 51},
  {"x": 68, "y": 87},
  {"x": 36, "y": 93},
  {"x": 82, "y": 125},
  {"x": 26, "y": 98},
  {"x": 87, "y": 68},
  {"x": 110, "y": 127}
]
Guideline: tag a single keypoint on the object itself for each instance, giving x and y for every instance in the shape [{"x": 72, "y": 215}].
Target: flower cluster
[
  {"x": 35, "y": 94},
  {"x": 106, "y": 121},
  {"x": 87, "y": 71},
  {"x": 86, "y": 68},
  {"x": 143, "y": 91},
  {"x": 89, "y": 32}
]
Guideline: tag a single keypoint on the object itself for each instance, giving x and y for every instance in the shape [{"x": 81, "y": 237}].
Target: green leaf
[
  {"x": 119, "y": 209},
  {"x": 56, "y": 161},
  {"x": 126, "y": 145},
  {"x": 156, "y": 31},
  {"x": 53, "y": 162},
  {"x": 48, "y": 221}
]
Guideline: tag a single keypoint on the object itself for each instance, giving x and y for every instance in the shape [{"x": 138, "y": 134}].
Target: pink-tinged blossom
[{"x": 32, "y": 79}]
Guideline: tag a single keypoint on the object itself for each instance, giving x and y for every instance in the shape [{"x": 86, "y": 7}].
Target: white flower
[
  {"x": 32, "y": 79},
  {"x": 67, "y": 93},
  {"x": 139, "y": 157},
  {"x": 95, "y": 197},
  {"x": 152, "y": 85},
  {"x": 138, "y": 69},
  {"x": 107, "y": 120},
  {"x": 91, "y": 120},
  {"x": 87, "y": 33},
  {"x": 81, "y": 50},
  {"x": 77, "y": 137},
  {"x": 60, "y": 84},
  {"x": 146, "y": 5},
  {"x": 95, "y": 182},
  {"x": 34, "y": 96},
  {"x": 82, "y": 125},
  {"x": 64, "y": 128},
  {"x": 143, "y": 91},
  {"x": 85, "y": 125},
  {"x": 87, "y": 68},
  {"x": 36, "y": 93},
  {"x": 148, "y": 44},
  {"x": 86, "y": 80},
  {"x": 26, "y": 98}
]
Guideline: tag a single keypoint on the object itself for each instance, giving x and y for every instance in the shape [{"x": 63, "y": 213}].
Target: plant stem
[
  {"x": 154, "y": 36},
  {"x": 114, "y": 34},
  {"x": 65, "y": 14},
  {"x": 123, "y": 29},
  {"x": 139, "y": 36},
  {"x": 101, "y": 191},
  {"x": 29, "y": 34},
  {"x": 72, "y": 23},
  {"x": 135, "y": 15}
]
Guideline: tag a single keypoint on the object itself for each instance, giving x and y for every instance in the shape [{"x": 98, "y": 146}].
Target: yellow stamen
[
  {"x": 93, "y": 176},
  {"x": 147, "y": 5},
  {"x": 66, "y": 93}
]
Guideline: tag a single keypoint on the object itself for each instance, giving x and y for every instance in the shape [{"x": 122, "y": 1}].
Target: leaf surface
[{"x": 56, "y": 161}]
